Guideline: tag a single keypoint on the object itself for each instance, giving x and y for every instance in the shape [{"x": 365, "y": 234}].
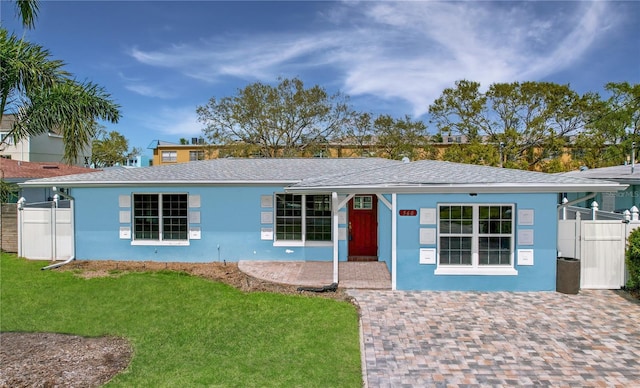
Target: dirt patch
[
  {"x": 227, "y": 273},
  {"x": 59, "y": 360}
]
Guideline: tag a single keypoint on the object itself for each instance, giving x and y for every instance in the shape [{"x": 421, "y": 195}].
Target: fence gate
[
  {"x": 45, "y": 232},
  {"x": 602, "y": 251},
  {"x": 599, "y": 240}
]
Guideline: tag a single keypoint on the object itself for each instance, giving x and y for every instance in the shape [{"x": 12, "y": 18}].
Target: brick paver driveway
[{"x": 463, "y": 338}]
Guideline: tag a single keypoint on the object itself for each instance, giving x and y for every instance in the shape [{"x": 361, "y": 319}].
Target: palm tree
[
  {"x": 43, "y": 97},
  {"x": 28, "y": 11}
]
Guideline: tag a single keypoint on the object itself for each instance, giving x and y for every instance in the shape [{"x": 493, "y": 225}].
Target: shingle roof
[
  {"x": 616, "y": 173},
  {"x": 227, "y": 170},
  {"x": 19, "y": 170},
  {"x": 438, "y": 174},
  {"x": 342, "y": 174}
]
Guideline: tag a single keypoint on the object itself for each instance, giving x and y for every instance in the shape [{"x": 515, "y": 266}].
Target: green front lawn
[{"x": 188, "y": 331}]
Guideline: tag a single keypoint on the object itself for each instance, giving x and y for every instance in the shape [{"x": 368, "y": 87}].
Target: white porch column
[
  {"x": 335, "y": 208},
  {"x": 394, "y": 238}
]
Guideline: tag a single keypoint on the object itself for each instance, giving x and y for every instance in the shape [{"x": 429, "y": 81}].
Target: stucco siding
[
  {"x": 411, "y": 275},
  {"x": 229, "y": 220}
]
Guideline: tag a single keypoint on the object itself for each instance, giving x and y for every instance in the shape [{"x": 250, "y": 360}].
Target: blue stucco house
[{"x": 437, "y": 225}]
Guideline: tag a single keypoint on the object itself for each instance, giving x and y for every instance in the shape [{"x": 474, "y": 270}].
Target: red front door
[{"x": 363, "y": 227}]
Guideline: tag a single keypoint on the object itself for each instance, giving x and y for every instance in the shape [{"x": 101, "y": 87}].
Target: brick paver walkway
[{"x": 499, "y": 339}]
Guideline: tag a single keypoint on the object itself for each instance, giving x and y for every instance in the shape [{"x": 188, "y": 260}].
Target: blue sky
[{"x": 161, "y": 59}]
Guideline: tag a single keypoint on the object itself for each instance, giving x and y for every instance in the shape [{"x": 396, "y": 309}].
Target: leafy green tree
[
  {"x": 437, "y": 138},
  {"x": 633, "y": 260},
  {"x": 8, "y": 191},
  {"x": 533, "y": 121},
  {"x": 283, "y": 120},
  {"x": 28, "y": 12},
  {"x": 110, "y": 149},
  {"x": 44, "y": 97},
  {"x": 461, "y": 110},
  {"x": 399, "y": 138},
  {"x": 359, "y": 136},
  {"x": 474, "y": 152},
  {"x": 613, "y": 125}
]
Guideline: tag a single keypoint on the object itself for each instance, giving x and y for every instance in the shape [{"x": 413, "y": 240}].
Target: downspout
[
  {"x": 56, "y": 265},
  {"x": 73, "y": 233}
]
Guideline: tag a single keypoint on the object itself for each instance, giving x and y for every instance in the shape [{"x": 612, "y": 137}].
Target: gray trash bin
[{"x": 568, "y": 275}]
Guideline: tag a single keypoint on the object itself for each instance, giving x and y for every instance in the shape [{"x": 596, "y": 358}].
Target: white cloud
[
  {"x": 148, "y": 91},
  {"x": 175, "y": 122},
  {"x": 404, "y": 50}
]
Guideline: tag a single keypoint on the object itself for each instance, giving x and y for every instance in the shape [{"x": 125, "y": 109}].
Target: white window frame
[
  {"x": 160, "y": 241},
  {"x": 475, "y": 268},
  {"x": 303, "y": 241},
  {"x": 172, "y": 156}
]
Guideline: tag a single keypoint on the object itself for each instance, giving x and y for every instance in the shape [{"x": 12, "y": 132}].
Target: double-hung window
[
  {"x": 475, "y": 239},
  {"x": 303, "y": 218},
  {"x": 160, "y": 217},
  {"x": 169, "y": 156}
]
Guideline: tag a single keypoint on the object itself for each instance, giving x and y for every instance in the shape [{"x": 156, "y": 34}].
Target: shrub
[{"x": 633, "y": 260}]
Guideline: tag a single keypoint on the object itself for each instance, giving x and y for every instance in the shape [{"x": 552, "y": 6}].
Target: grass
[{"x": 188, "y": 331}]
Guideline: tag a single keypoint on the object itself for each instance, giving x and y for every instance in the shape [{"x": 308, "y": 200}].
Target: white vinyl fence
[
  {"x": 599, "y": 240},
  {"x": 45, "y": 230}
]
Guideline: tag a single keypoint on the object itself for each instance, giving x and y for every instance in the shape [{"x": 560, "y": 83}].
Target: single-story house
[
  {"x": 437, "y": 225},
  {"x": 614, "y": 201}
]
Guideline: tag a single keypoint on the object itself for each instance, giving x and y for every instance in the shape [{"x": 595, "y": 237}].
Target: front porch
[{"x": 362, "y": 275}]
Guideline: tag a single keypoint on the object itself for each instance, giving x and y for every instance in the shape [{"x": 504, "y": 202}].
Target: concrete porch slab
[{"x": 359, "y": 275}]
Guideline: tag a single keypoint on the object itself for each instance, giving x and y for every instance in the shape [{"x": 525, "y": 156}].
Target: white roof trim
[
  {"x": 157, "y": 183},
  {"x": 465, "y": 188}
]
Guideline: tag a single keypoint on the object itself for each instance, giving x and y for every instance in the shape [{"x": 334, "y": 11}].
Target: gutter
[
  {"x": 109, "y": 183},
  {"x": 459, "y": 188}
]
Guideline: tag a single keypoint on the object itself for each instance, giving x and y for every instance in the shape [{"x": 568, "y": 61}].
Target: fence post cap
[{"x": 594, "y": 205}]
